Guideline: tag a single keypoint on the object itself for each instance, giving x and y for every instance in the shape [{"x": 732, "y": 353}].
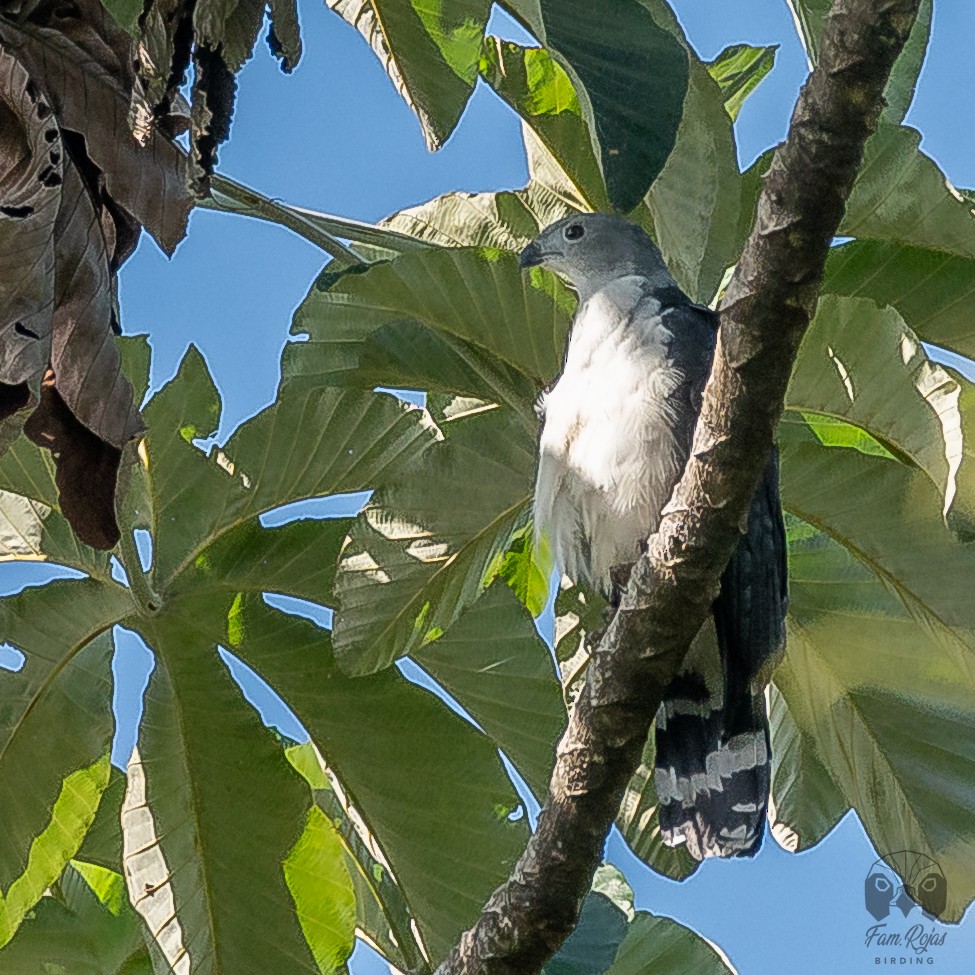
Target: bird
[{"x": 616, "y": 433}]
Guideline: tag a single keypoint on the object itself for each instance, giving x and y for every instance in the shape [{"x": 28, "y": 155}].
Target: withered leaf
[
  {"x": 87, "y": 468},
  {"x": 63, "y": 237},
  {"x": 30, "y": 193},
  {"x": 165, "y": 42},
  {"x": 214, "y": 92},
  {"x": 83, "y": 61},
  {"x": 284, "y": 37},
  {"x": 84, "y": 356},
  {"x": 219, "y": 37},
  {"x": 240, "y": 31}
]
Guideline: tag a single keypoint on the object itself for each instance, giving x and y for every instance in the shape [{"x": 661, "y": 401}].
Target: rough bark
[{"x": 766, "y": 311}]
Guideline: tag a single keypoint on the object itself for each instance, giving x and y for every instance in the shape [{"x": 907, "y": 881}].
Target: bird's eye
[{"x": 573, "y": 232}]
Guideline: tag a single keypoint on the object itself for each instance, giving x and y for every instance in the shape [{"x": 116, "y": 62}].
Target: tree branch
[{"x": 766, "y": 311}]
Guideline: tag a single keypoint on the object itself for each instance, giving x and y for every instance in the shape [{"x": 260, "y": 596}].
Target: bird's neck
[{"x": 654, "y": 279}]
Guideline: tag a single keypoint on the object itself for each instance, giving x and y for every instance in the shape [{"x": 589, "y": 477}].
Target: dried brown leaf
[
  {"x": 214, "y": 91},
  {"x": 240, "y": 32},
  {"x": 284, "y": 37},
  {"x": 84, "y": 356},
  {"x": 87, "y": 468},
  {"x": 84, "y": 63},
  {"x": 30, "y": 193},
  {"x": 164, "y": 47}
]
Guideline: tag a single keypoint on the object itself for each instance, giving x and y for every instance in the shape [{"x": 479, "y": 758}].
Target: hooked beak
[{"x": 531, "y": 256}]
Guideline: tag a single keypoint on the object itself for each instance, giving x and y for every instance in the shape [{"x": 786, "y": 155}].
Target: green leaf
[
  {"x": 831, "y": 432},
  {"x": 810, "y": 19},
  {"x": 611, "y": 938},
  {"x": 264, "y": 465},
  {"x": 382, "y": 913},
  {"x": 102, "y": 845},
  {"x": 69, "y": 816},
  {"x": 420, "y": 551},
  {"x": 915, "y": 243},
  {"x": 891, "y": 521},
  {"x": 901, "y": 195},
  {"x": 931, "y": 289},
  {"x": 65, "y": 682},
  {"x": 526, "y": 565},
  {"x": 659, "y": 946},
  {"x": 862, "y": 364},
  {"x": 320, "y": 884},
  {"x": 429, "y": 50},
  {"x": 538, "y": 88},
  {"x": 493, "y": 662},
  {"x": 805, "y": 803},
  {"x": 200, "y": 781},
  {"x": 880, "y": 668},
  {"x": 205, "y": 776},
  {"x": 593, "y": 944},
  {"x": 507, "y": 219},
  {"x": 125, "y": 13},
  {"x": 618, "y": 66},
  {"x": 739, "y": 70},
  {"x": 694, "y": 191},
  {"x": 90, "y": 929},
  {"x": 915, "y": 247},
  {"x": 902, "y": 83},
  {"x": 430, "y": 788},
  {"x": 478, "y": 298},
  {"x": 297, "y": 559},
  {"x": 694, "y": 203}
]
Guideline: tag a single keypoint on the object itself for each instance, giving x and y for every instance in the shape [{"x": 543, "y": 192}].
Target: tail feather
[
  {"x": 713, "y": 751},
  {"x": 712, "y": 792}
]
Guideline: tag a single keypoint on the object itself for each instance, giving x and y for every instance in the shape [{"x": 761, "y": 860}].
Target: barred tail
[
  {"x": 713, "y": 751},
  {"x": 712, "y": 787}
]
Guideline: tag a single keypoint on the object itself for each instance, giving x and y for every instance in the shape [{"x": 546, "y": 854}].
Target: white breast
[{"x": 608, "y": 456}]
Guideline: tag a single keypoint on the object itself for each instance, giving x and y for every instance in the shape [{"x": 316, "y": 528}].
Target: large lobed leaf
[
  {"x": 208, "y": 782},
  {"x": 880, "y": 669},
  {"x": 417, "y": 558},
  {"x": 617, "y": 65},
  {"x": 211, "y": 565}
]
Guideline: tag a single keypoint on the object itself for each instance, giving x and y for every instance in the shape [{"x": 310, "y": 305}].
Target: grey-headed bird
[{"x": 616, "y": 434}]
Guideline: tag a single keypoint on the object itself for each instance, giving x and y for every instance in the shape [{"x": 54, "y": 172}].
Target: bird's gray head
[{"x": 591, "y": 249}]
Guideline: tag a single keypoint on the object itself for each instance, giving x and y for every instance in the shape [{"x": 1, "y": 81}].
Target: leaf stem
[
  {"x": 146, "y": 598},
  {"x": 320, "y": 229}
]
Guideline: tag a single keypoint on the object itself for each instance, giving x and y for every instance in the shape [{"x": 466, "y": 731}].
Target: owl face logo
[{"x": 905, "y": 880}]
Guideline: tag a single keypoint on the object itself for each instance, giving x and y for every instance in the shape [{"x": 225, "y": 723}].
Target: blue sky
[{"x": 334, "y": 136}]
